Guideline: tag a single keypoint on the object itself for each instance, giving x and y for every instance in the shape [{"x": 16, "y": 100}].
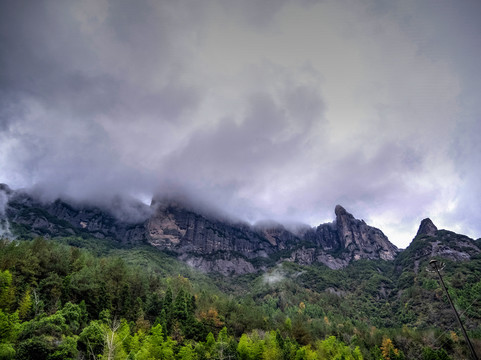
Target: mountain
[
  {"x": 302, "y": 286},
  {"x": 28, "y": 216},
  {"x": 212, "y": 243},
  {"x": 203, "y": 240},
  {"x": 430, "y": 242},
  {"x": 223, "y": 246}
]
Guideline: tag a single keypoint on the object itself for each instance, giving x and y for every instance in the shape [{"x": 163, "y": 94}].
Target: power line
[{"x": 434, "y": 265}]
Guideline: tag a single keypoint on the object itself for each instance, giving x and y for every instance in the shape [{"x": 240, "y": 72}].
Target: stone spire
[{"x": 427, "y": 228}]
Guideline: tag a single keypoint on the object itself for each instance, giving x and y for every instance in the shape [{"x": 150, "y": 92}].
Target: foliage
[{"x": 59, "y": 301}]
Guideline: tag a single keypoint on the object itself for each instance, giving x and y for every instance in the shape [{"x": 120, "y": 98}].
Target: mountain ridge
[{"x": 211, "y": 243}]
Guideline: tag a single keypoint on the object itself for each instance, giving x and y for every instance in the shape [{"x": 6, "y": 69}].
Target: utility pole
[{"x": 434, "y": 265}]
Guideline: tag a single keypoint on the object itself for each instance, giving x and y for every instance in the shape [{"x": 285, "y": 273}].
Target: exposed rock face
[
  {"x": 61, "y": 219},
  {"x": 183, "y": 231},
  {"x": 334, "y": 244},
  {"x": 5, "y": 193},
  {"x": 224, "y": 264},
  {"x": 449, "y": 245},
  {"x": 431, "y": 242},
  {"x": 307, "y": 256},
  {"x": 354, "y": 238},
  {"x": 361, "y": 240},
  {"x": 427, "y": 228},
  {"x": 211, "y": 243},
  {"x": 206, "y": 242}
]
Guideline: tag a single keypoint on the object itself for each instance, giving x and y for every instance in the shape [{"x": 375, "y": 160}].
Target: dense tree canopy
[{"x": 62, "y": 302}]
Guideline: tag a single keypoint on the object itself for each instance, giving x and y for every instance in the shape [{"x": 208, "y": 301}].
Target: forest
[{"x": 80, "y": 298}]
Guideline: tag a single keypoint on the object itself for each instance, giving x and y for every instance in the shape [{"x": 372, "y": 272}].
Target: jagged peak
[
  {"x": 339, "y": 210},
  {"x": 427, "y": 227}
]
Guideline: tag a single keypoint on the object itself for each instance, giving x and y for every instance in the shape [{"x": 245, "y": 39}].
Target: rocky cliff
[
  {"x": 352, "y": 238},
  {"x": 430, "y": 242},
  {"x": 205, "y": 241},
  {"x": 27, "y": 216},
  {"x": 427, "y": 228}
]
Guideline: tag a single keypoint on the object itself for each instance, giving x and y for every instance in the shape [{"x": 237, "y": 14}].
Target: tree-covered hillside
[{"x": 78, "y": 298}]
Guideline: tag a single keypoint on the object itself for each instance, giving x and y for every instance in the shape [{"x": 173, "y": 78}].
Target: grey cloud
[
  {"x": 245, "y": 153},
  {"x": 304, "y": 103},
  {"x": 268, "y": 138},
  {"x": 454, "y": 30},
  {"x": 11, "y": 110},
  {"x": 58, "y": 80},
  {"x": 47, "y": 53},
  {"x": 258, "y": 14},
  {"x": 106, "y": 97}
]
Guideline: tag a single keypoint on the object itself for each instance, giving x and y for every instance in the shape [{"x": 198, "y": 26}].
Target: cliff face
[
  {"x": 353, "y": 238},
  {"x": 182, "y": 230},
  {"x": 207, "y": 242},
  {"x": 210, "y": 244},
  {"x": 334, "y": 244},
  {"x": 427, "y": 228},
  {"x": 430, "y": 242},
  {"x": 28, "y": 216}
]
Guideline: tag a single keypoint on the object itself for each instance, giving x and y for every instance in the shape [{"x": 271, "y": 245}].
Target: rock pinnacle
[
  {"x": 339, "y": 210},
  {"x": 427, "y": 228}
]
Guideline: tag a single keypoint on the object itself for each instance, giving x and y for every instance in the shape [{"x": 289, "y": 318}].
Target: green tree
[
  {"x": 7, "y": 351},
  {"x": 37, "y": 347},
  {"x": 430, "y": 354},
  {"x": 91, "y": 339},
  {"x": 75, "y": 317},
  {"x": 273, "y": 350},
  {"x": 180, "y": 307},
  {"x": 225, "y": 345},
  {"x": 25, "y": 305},
  {"x": 250, "y": 347},
  {"x": 332, "y": 348},
  {"x": 9, "y": 327},
  {"x": 66, "y": 349},
  {"x": 153, "y": 306},
  {"x": 7, "y": 291},
  {"x": 306, "y": 353},
  {"x": 114, "y": 336},
  {"x": 186, "y": 353},
  {"x": 167, "y": 311},
  {"x": 156, "y": 347}
]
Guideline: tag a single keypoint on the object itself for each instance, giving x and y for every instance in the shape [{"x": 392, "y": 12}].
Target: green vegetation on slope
[{"x": 72, "y": 298}]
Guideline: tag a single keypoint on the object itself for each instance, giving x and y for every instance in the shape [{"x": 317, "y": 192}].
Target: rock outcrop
[
  {"x": 30, "y": 217},
  {"x": 203, "y": 240},
  {"x": 430, "y": 242},
  {"x": 352, "y": 238},
  {"x": 427, "y": 227},
  {"x": 334, "y": 244}
]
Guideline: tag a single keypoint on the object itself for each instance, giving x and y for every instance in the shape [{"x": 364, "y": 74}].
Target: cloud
[{"x": 275, "y": 110}]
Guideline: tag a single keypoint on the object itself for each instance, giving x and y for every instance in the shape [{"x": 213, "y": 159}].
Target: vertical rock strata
[{"x": 334, "y": 244}]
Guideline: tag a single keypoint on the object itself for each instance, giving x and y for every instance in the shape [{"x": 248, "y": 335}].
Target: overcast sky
[{"x": 271, "y": 109}]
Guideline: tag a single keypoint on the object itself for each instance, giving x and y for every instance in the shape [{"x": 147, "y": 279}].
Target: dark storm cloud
[
  {"x": 268, "y": 137},
  {"x": 66, "y": 67},
  {"x": 48, "y": 53},
  {"x": 243, "y": 155},
  {"x": 264, "y": 109}
]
